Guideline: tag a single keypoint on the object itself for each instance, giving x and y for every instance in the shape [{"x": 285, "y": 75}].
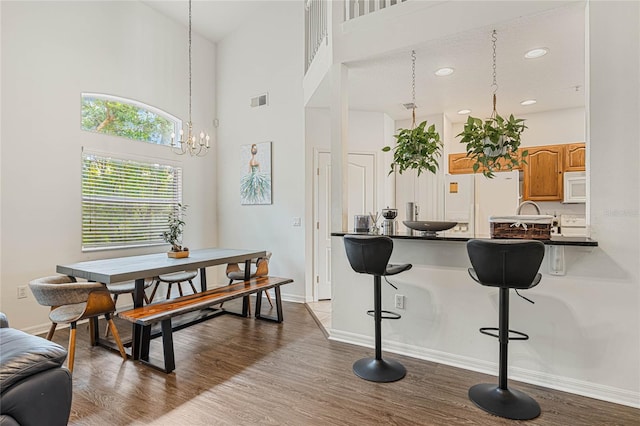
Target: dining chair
[
  {"x": 259, "y": 268},
  {"x": 174, "y": 278},
  {"x": 116, "y": 289},
  {"x": 72, "y": 301}
]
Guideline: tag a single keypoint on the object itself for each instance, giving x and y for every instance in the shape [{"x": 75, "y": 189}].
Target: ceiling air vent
[{"x": 260, "y": 100}]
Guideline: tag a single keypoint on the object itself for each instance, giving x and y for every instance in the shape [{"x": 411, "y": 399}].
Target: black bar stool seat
[
  {"x": 506, "y": 264},
  {"x": 370, "y": 255}
]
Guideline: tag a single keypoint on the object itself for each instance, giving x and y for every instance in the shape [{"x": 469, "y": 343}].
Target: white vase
[{"x": 489, "y": 151}]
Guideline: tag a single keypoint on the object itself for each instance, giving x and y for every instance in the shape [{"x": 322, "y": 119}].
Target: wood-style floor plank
[{"x": 239, "y": 371}]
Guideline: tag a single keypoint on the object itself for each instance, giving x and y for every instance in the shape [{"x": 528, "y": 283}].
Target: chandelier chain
[
  {"x": 190, "y": 62},
  {"x": 187, "y": 142}
]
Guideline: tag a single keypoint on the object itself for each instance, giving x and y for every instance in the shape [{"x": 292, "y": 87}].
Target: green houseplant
[
  {"x": 494, "y": 143},
  {"x": 417, "y": 148},
  {"x": 173, "y": 236}
]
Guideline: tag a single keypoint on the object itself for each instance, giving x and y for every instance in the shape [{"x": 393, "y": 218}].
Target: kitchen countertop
[{"x": 555, "y": 240}]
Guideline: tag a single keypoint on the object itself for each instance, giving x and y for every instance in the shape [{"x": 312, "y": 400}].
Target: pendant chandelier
[{"x": 196, "y": 146}]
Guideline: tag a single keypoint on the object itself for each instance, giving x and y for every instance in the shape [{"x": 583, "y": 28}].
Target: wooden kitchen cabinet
[
  {"x": 575, "y": 157},
  {"x": 460, "y": 164},
  {"x": 543, "y": 173}
]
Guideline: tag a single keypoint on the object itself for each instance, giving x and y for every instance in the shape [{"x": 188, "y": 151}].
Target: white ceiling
[
  {"x": 212, "y": 19},
  {"x": 384, "y": 83}
]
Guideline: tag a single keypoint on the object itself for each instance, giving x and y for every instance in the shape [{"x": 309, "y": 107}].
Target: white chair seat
[
  {"x": 125, "y": 287},
  {"x": 67, "y": 313},
  {"x": 178, "y": 277}
]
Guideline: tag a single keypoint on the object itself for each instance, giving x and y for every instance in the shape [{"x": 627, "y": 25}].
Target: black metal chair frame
[
  {"x": 501, "y": 400},
  {"x": 375, "y": 369}
]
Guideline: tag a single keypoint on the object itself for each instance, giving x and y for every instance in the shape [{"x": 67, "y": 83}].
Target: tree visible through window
[
  {"x": 126, "y": 203},
  {"x": 127, "y": 118}
]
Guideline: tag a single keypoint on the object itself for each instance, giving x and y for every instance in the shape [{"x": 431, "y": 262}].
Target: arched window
[{"x": 131, "y": 119}]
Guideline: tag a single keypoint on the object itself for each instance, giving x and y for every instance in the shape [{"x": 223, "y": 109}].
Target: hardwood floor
[{"x": 237, "y": 371}]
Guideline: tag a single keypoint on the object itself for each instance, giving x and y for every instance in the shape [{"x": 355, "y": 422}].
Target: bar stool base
[
  {"x": 508, "y": 403},
  {"x": 379, "y": 370}
]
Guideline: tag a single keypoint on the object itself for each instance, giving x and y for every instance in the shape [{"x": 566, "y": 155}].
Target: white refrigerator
[{"x": 471, "y": 199}]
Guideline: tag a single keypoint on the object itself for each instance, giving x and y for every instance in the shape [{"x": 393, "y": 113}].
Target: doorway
[{"x": 361, "y": 200}]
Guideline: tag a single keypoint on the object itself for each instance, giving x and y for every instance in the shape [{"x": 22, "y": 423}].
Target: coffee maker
[{"x": 389, "y": 224}]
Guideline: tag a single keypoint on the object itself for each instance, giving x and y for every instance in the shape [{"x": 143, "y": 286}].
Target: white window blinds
[{"x": 126, "y": 203}]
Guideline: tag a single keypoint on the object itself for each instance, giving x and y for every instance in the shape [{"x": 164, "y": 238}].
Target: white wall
[
  {"x": 368, "y": 133},
  {"x": 585, "y": 326},
  {"x": 51, "y": 52},
  {"x": 265, "y": 54}
]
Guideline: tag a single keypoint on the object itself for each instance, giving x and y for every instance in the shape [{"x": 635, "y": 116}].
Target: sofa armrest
[
  {"x": 23, "y": 355},
  {"x": 4, "y": 322}
]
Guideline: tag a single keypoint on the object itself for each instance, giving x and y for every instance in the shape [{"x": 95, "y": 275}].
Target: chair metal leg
[
  {"x": 500, "y": 400},
  {"x": 377, "y": 369},
  {"x": 180, "y": 289},
  {"x": 52, "y": 330},
  {"x": 193, "y": 287},
  {"x": 155, "y": 288},
  {"x": 72, "y": 346}
]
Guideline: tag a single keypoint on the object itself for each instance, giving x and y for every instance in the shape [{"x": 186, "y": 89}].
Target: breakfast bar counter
[{"x": 554, "y": 241}]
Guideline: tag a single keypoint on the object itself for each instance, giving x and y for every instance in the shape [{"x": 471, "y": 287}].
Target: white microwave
[{"x": 575, "y": 187}]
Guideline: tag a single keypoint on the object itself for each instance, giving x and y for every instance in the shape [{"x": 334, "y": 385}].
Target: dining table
[{"x": 139, "y": 268}]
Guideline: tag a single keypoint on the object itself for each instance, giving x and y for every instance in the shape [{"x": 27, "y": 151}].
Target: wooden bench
[{"x": 163, "y": 312}]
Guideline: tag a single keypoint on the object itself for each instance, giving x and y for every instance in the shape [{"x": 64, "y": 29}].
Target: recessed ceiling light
[
  {"x": 536, "y": 53},
  {"x": 441, "y": 72},
  {"x": 464, "y": 111},
  {"x": 528, "y": 102}
]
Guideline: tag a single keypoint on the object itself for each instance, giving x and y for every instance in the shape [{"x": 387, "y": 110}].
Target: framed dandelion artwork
[{"x": 255, "y": 173}]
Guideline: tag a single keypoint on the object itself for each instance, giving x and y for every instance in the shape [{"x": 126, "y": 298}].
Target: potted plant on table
[{"x": 174, "y": 235}]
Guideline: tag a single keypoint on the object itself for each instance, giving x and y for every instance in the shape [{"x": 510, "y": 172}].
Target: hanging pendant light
[
  {"x": 494, "y": 142},
  {"x": 196, "y": 146}
]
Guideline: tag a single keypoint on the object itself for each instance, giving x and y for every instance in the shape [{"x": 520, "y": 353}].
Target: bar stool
[
  {"x": 507, "y": 264},
  {"x": 370, "y": 255},
  {"x": 170, "y": 279}
]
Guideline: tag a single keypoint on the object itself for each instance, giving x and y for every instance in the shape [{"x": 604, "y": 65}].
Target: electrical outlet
[
  {"x": 22, "y": 292},
  {"x": 296, "y": 221},
  {"x": 399, "y": 301}
]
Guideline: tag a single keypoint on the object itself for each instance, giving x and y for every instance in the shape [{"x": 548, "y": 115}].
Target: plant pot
[
  {"x": 178, "y": 254},
  {"x": 489, "y": 149}
]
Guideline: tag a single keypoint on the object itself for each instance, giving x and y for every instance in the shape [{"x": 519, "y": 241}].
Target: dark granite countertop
[{"x": 554, "y": 241}]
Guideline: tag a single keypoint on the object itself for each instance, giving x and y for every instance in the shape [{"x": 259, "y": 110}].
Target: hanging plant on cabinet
[
  {"x": 494, "y": 142},
  {"x": 419, "y": 147}
]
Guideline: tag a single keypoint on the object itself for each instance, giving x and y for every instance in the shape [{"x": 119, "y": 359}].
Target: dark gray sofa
[{"x": 34, "y": 387}]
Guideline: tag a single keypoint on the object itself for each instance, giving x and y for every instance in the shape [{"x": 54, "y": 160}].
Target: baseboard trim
[{"x": 564, "y": 384}]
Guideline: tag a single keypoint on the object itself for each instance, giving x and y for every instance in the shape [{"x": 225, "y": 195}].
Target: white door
[{"x": 361, "y": 196}]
